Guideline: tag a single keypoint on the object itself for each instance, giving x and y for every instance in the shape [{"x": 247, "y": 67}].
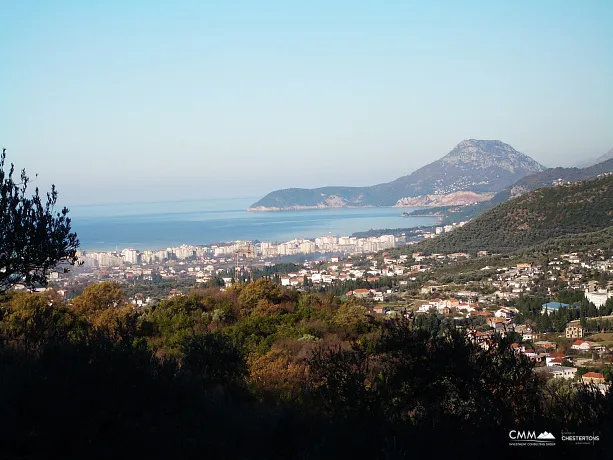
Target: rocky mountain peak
[{"x": 483, "y": 154}]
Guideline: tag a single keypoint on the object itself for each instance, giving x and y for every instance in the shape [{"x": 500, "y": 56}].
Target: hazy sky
[{"x": 147, "y": 100}]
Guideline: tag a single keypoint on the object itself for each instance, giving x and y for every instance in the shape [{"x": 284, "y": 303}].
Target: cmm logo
[
  {"x": 529, "y": 438},
  {"x": 522, "y": 435}
]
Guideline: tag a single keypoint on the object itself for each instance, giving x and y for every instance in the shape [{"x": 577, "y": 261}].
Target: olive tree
[{"x": 34, "y": 237}]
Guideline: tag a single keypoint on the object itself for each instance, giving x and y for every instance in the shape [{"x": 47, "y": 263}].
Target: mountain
[
  {"x": 473, "y": 171},
  {"x": 600, "y": 159},
  {"x": 533, "y": 218},
  {"x": 546, "y": 178},
  {"x": 605, "y": 157},
  {"x": 553, "y": 176}
]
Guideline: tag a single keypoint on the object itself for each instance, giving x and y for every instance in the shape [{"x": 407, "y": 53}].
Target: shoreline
[
  {"x": 461, "y": 198},
  {"x": 310, "y": 208},
  {"x": 100, "y": 234},
  {"x": 323, "y": 208},
  {"x": 139, "y": 248}
]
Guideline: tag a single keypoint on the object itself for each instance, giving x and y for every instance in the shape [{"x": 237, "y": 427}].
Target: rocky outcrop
[{"x": 449, "y": 199}]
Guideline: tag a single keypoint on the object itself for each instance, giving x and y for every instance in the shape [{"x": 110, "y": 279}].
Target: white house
[
  {"x": 559, "y": 372},
  {"x": 563, "y": 372},
  {"x": 466, "y": 307},
  {"x": 425, "y": 308},
  {"x": 525, "y": 331},
  {"x": 504, "y": 313},
  {"x": 581, "y": 345},
  {"x": 554, "y": 360}
]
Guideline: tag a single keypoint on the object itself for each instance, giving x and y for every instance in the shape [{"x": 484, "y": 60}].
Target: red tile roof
[
  {"x": 593, "y": 375},
  {"x": 557, "y": 354}
]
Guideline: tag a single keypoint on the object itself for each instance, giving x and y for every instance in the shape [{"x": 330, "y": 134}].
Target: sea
[{"x": 208, "y": 221}]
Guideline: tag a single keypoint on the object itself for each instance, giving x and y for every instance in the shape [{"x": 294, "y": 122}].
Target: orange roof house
[{"x": 592, "y": 377}]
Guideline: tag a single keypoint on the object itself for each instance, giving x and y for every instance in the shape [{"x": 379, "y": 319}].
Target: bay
[{"x": 204, "y": 222}]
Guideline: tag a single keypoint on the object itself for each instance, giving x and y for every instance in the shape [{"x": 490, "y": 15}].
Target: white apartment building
[
  {"x": 147, "y": 257},
  {"x": 388, "y": 240},
  {"x": 162, "y": 255},
  {"x": 307, "y": 247},
  {"x": 184, "y": 252},
  {"x": 130, "y": 256}
]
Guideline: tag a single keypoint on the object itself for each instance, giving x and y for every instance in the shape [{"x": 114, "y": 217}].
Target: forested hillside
[{"x": 534, "y": 218}]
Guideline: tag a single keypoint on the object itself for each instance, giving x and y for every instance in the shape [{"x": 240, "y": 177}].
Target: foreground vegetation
[{"x": 259, "y": 371}]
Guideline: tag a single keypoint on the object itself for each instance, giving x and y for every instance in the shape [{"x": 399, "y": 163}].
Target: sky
[{"x": 129, "y": 101}]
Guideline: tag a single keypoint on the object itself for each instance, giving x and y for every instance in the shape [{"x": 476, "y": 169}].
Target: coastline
[
  {"x": 323, "y": 207},
  {"x": 460, "y": 198},
  {"x": 310, "y": 208},
  {"x": 161, "y": 226},
  {"x": 243, "y": 242}
]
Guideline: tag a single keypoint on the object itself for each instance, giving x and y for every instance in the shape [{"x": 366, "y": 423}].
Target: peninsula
[{"x": 471, "y": 173}]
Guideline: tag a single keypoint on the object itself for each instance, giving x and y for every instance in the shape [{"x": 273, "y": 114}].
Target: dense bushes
[{"x": 305, "y": 377}]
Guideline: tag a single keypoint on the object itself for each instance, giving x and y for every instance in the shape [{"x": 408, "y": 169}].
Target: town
[
  {"x": 524, "y": 301},
  {"x": 203, "y": 262},
  {"x": 200, "y": 264}
]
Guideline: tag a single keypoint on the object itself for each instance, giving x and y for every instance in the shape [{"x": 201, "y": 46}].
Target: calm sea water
[{"x": 164, "y": 224}]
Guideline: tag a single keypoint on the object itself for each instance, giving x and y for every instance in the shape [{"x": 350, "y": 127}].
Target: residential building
[
  {"x": 130, "y": 256},
  {"x": 592, "y": 377},
  {"x": 525, "y": 331},
  {"x": 558, "y": 372},
  {"x": 359, "y": 293},
  {"x": 505, "y": 313},
  {"x": 574, "y": 331},
  {"x": 581, "y": 345},
  {"x": 563, "y": 372}
]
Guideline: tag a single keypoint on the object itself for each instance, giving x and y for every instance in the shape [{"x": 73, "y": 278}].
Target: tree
[
  {"x": 261, "y": 289},
  {"x": 276, "y": 375},
  {"x": 34, "y": 237},
  {"x": 213, "y": 360},
  {"x": 37, "y": 319},
  {"x": 97, "y": 297}
]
